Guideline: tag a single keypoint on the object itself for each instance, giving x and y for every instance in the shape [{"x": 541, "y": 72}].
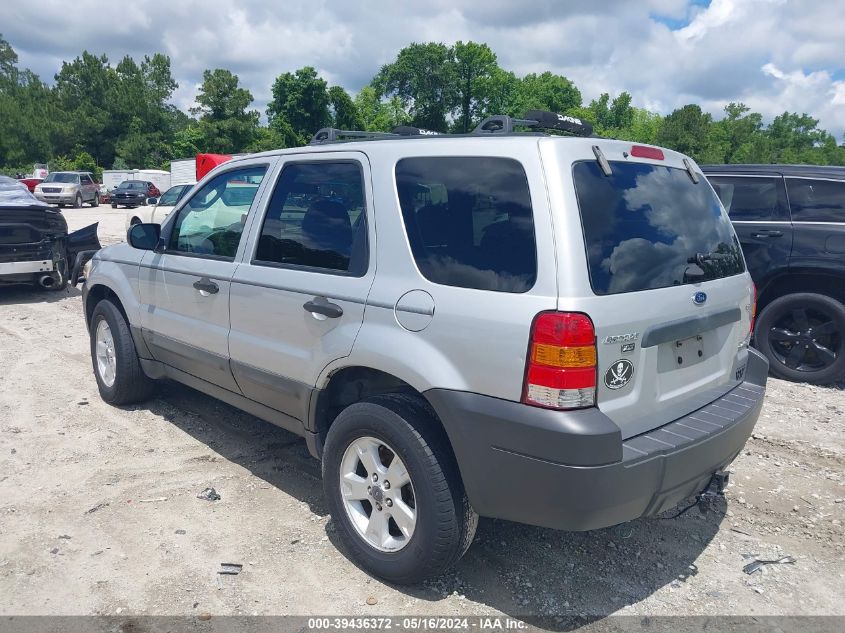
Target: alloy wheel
[{"x": 806, "y": 339}]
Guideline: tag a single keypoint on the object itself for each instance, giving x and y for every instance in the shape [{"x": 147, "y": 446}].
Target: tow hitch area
[{"x": 714, "y": 490}]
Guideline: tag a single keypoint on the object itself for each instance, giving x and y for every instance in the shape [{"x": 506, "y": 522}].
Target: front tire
[
  {"x": 114, "y": 205},
  {"x": 95, "y": 202},
  {"x": 120, "y": 378},
  {"x": 803, "y": 336},
  {"x": 410, "y": 529},
  {"x": 77, "y": 202}
]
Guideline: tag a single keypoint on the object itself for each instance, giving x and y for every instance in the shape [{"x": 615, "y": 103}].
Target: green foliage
[
  {"x": 101, "y": 114},
  {"x": 423, "y": 78},
  {"x": 302, "y": 100}
]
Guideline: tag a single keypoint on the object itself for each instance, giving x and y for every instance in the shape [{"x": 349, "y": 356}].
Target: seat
[{"x": 326, "y": 227}]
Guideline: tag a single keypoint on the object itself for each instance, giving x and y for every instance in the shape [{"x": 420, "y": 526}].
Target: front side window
[
  {"x": 649, "y": 226},
  {"x": 469, "y": 221},
  {"x": 751, "y": 198},
  {"x": 816, "y": 200},
  {"x": 172, "y": 196},
  {"x": 317, "y": 219},
  {"x": 212, "y": 221}
]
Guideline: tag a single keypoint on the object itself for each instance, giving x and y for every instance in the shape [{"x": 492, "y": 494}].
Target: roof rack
[
  {"x": 498, "y": 124},
  {"x": 540, "y": 119},
  {"x": 332, "y": 135}
]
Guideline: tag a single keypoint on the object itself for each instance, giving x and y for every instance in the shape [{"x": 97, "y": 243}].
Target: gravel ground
[{"x": 99, "y": 513}]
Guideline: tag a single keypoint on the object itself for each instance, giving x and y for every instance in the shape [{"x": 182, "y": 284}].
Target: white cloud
[{"x": 772, "y": 54}]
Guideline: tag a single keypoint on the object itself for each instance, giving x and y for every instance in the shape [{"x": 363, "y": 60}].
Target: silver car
[
  {"x": 545, "y": 329},
  {"x": 72, "y": 188}
]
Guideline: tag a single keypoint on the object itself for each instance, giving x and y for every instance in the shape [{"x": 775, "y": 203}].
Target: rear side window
[
  {"x": 751, "y": 198},
  {"x": 816, "y": 200},
  {"x": 316, "y": 219},
  {"x": 469, "y": 221},
  {"x": 649, "y": 226}
]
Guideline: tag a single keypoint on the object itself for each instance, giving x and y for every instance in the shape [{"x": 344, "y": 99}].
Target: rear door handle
[
  {"x": 206, "y": 286},
  {"x": 321, "y": 305},
  {"x": 767, "y": 234}
]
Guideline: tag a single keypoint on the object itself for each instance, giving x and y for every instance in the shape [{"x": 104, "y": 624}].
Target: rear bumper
[
  {"x": 23, "y": 267},
  {"x": 573, "y": 471}
]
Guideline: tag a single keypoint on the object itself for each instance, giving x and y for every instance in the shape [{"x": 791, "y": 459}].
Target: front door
[
  {"x": 184, "y": 289},
  {"x": 297, "y": 301}
]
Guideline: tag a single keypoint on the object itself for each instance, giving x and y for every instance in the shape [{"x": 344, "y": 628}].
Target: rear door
[
  {"x": 298, "y": 299},
  {"x": 184, "y": 288},
  {"x": 664, "y": 281},
  {"x": 818, "y": 212},
  {"x": 758, "y": 209}
]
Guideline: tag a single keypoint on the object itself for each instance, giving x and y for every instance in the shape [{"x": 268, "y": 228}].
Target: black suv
[{"x": 791, "y": 222}]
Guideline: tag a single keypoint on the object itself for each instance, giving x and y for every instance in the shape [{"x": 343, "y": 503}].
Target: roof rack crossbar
[{"x": 331, "y": 135}]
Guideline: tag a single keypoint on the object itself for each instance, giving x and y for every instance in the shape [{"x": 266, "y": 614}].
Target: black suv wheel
[{"x": 803, "y": 336}]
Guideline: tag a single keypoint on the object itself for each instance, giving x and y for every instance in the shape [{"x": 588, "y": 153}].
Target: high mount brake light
[
  {"x": 560, "y": 371},
  {"x": 643, "y": 151}
]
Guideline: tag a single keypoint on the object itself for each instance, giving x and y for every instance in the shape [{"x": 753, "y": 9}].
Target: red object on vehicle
[
  {"x": 560, "y": 372},
  {"x": 153, "y": 191},
  {"x": 207, "y": 162},
  {"x": 31, "y": 182},
  {"x": 643, "y": 151}
]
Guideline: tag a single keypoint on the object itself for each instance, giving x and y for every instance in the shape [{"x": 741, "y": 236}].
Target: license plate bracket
[{"x": 689, "y": 351}]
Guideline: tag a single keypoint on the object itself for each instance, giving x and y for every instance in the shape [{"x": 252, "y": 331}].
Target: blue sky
[{"x": 773, "y": 55}]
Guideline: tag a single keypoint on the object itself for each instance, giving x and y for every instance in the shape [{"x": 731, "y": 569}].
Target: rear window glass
[
  {"x": 816, "y": 200},
  {"x": 469, "y": 221},
  {"x": 649, "y": 226}
]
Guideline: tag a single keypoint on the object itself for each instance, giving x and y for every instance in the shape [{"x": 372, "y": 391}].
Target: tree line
[{"x": 98, "y": 115}]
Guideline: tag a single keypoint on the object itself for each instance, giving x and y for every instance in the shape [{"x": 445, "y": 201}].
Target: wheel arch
[
  {"x": 821, "y": 282},
  {"x": 353, "y": 383}
]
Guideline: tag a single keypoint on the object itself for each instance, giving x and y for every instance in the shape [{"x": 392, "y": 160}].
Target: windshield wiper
[{"x": 700, "y": 258}]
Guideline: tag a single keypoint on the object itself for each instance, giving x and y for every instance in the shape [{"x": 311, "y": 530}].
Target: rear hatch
[{"x": 659, "y": 271}]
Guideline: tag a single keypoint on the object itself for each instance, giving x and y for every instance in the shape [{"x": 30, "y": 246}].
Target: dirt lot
[{"x": 99, "y": 513}]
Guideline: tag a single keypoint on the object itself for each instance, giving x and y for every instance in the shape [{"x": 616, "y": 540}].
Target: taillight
[
  {"x": 560, "y": 371},
  {"x": 643, "y": 151}
]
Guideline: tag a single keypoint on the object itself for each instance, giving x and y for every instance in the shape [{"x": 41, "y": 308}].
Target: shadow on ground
[
  {"x": 550, "y": 579},
  {"x": 23, "y": 293}
]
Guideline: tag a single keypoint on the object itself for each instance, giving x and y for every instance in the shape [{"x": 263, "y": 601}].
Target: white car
[{"x": 155, "y": 212}]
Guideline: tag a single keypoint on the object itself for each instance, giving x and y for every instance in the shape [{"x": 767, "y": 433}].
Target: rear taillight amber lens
[{"x": 560, "y": 371}]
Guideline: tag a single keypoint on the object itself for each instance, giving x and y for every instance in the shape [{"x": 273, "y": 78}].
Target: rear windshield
[{"x": 649, "y": 226}]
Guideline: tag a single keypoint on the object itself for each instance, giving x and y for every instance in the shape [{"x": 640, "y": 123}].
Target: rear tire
[
  {"x": 444, "y": 523},
  {"x": 803, "y": 336},
  {"x": 128, "y": 383}
]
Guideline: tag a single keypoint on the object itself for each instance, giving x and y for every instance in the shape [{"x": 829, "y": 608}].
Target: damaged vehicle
[{"x": 35, "y": 247}]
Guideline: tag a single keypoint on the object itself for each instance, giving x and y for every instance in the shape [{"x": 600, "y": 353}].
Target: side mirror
[
  {"x": 152, "y": 201},
  {"x": 144, "y": 237}
]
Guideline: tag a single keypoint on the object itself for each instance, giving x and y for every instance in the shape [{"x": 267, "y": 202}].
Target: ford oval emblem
[{"x": 699, "y": 298}]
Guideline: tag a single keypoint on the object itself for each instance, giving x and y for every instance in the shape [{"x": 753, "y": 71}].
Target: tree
[
  {"x": 377, "y": 115},
  {"x": 547, "y": 91},
  {"x": 474, "y": 67},
  {"x": 225, "y": 125},
  {"x": 302, "y": 100},
  {"x": 689, "y": 130},
  {"x": 8, "y": 60},
  {"x": 422, "y": 77},
  {"x": 344, "y": 113}
]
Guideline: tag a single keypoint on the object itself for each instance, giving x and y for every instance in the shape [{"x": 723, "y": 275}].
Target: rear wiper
[{"x": 700, "y": 258}]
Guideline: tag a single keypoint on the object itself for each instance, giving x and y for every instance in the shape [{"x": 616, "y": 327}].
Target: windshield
[
  {"x": 60, "y": 177},
  {"x": 649, "y": 226},
  {"x": 135, "y": 185},
  {"x": 172, "y": 196}
]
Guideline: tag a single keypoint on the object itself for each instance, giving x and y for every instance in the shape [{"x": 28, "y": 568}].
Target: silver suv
[
  {"x": 544, "y": 329},
  {"x": 68, "y": 187}
]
